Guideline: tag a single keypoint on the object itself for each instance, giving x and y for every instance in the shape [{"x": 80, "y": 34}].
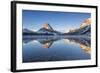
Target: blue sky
[{"x": 60, "y": 21}]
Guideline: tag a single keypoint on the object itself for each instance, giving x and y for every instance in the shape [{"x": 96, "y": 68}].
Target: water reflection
[
  {"x": 84, "y": 42},
  {"x": 46, "y": 42}
]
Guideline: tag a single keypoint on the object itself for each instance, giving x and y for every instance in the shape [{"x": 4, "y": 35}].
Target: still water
[{"x": 55, "y": 48}]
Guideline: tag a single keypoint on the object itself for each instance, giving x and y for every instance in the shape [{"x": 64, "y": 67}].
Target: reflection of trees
[{"x": 47, "y": 41}]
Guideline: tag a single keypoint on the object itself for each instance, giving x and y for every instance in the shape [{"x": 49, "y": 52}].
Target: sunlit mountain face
[
  {"x": 47, "y": 26},
  {"x": 86, "y": 23},
  {"x": 48, "y": 30}
]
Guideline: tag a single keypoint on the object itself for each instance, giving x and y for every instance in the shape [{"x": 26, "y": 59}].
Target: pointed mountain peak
[{"x": 47, "y": 26}]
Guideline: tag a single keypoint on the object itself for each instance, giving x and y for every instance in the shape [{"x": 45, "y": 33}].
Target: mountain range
[
  {"x": 80, "y": 31},
  {"x": 84, "y": 29}
]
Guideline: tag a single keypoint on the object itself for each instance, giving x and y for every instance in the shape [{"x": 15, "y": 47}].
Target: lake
[{"x": 55, "y": 48}]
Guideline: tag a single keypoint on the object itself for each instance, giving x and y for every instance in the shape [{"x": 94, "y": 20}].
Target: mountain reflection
[{"x": 83, "y": 41}]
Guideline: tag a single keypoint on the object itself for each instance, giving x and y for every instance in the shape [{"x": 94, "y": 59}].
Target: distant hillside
[
  {"x": 25, "y": 30},
  {"x": 28, "y": 32}
]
